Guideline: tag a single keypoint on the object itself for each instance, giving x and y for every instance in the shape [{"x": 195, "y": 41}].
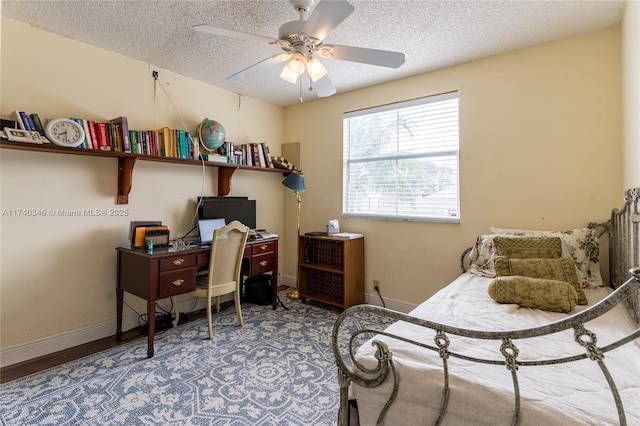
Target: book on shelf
[
  {"x": 91, "y": 144},
  {"x": 92, "y": 132},
  {"x": 261, "y": 159},
  {"x": 19, "y": 121},
  {"x": 25, "y": 121},
  {"x": 122, "y": 129},
  {"x": 84, "y": 142},
  {"x": 217, "y": 158},
  {"x": 38, "y": 123},
  {"x": 133, "y": 139},
  {"x": 102, "y": 133},
  {"x": 346, "y": 236},
  {"x": 165, "y": 136},
  {"x": 32, "y": 124},
  {"x": 267, "y": 156}
]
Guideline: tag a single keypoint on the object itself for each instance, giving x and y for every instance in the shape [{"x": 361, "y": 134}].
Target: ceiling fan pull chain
[{"x": 300, "y": 95}]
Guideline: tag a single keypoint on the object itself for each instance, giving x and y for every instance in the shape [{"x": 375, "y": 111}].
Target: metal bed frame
[{"x": 624, "y": 267}]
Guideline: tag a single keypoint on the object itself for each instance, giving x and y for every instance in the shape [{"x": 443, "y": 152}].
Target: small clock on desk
[{"x": 64, "y": 132}]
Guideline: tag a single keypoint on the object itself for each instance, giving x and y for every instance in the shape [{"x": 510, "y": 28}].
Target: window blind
[{"x": 400, "y": 161}]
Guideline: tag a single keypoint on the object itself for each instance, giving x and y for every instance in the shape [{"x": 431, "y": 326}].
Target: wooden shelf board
[{"x": 126, "y": 162}]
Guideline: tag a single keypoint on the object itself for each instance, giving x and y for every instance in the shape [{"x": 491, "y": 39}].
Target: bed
[{"x": 466, "y": 356}]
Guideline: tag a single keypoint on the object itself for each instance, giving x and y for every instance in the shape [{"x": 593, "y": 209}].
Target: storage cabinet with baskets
[{"x": 331, "y": 270}]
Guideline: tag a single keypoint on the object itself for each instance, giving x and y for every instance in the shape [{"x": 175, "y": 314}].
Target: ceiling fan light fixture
[
  {"x": 297, "y": 63},
  {"x": 288, "y": 75},
  {"x": 316, "y": 69}
]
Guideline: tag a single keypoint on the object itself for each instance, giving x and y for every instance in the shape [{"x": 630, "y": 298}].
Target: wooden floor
[{"x": 21, "y": 369}]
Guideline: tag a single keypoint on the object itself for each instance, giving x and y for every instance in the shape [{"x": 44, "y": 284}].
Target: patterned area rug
[{"x": 276, "y": 370}]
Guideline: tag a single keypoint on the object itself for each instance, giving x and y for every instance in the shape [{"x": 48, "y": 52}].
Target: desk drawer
[
  {"x": 261, "y": 248},
  {"x": 177, "y": 262},
  {"x": 262, "y": 263},
  {"x": 176, "y": 282}
]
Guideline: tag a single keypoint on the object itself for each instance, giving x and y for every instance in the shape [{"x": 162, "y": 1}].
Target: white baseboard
[
  {"x": 396, "y": 305},
  {"x": 58, "y": 342}
]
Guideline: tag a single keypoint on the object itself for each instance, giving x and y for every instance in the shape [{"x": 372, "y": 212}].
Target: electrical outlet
[{"x": 376, "y": 285}]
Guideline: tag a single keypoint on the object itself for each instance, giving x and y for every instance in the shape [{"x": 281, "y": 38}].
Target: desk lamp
[{"x": 295, "y": 182}]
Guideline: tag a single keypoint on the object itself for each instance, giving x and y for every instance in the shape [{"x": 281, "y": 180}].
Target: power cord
[{"x": 377, "y": 289}]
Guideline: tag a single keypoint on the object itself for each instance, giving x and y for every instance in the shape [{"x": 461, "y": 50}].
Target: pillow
[
  {"x": 558, "y": 269},
  {"x": 580, "y": 244},
  {"x": 481, "y": 257},
  {"x": 484, "y": 250},
  {"x": 524, "y": 248},
  {"x": 550, "y": 295}
]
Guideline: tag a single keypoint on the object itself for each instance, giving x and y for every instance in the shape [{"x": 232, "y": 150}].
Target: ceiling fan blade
[
  {"x": 256, "y": 68},
  {"x": 234, "y": 34},
  {"x": 384, "y": 58},
  {"x": 324, "y": 87},
  {"x": 326, "y": 16}
]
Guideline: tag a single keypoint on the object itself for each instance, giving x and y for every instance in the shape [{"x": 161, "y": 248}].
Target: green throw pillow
[
  {"x": 550, "y": 295},
  {"x": 558, "y": 269},
  {"x": 525, "y": 248}
]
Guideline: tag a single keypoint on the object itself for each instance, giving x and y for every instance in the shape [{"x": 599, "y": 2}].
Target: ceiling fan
[{"x": 302, "y": 43}]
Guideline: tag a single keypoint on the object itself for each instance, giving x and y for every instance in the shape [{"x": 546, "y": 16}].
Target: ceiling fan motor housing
[{"x": 291, "y": 32}]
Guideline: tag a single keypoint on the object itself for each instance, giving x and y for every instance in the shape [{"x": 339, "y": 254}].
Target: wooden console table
[{"x": 168, "y": 272}]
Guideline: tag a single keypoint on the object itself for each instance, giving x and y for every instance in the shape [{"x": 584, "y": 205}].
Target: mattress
[{"x": 480, "y": 394}]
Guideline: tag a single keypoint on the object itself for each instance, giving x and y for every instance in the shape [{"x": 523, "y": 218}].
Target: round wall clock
[{"x": 64, "y": 132}]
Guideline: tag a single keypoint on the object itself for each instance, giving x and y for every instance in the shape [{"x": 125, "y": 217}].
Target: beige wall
[
  {"x": 540, "y": 148},
  {"x": 631, "y": 93},
  {"x": 58, "y": 273}
]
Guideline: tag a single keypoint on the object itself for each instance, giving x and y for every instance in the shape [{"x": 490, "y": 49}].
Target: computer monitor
[{"x": 229, "y": 208}]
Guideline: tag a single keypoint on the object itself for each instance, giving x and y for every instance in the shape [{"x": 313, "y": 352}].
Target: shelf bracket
[
  {"x": 125, "y": 178},
  {"x": 224, "y": 180}
]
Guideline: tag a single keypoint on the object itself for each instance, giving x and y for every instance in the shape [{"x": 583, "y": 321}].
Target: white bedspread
[{"x": 564, "y": 394}]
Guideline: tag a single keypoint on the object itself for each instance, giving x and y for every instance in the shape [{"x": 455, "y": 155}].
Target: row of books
[
  {"x": 249, "y": 154},
  {"x": 115, "y": 135},
  {"x": 29, "y": 122}
]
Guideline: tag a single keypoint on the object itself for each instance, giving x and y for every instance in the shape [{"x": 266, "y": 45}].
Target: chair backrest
[{"x": 227, "y": 250}]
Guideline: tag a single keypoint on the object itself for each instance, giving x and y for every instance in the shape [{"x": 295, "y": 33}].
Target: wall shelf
[{"x": 126, "y": 162}]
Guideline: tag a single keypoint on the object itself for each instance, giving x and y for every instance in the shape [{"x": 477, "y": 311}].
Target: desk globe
[{"x": 212, "y": 135}]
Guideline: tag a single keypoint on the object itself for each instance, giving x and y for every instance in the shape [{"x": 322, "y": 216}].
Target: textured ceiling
[{"x": 431, "y": 34}]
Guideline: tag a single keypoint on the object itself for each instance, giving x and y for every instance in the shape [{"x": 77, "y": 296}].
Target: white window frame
[{"x": 401, "y": 203}]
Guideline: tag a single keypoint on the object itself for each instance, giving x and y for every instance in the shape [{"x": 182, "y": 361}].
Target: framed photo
[{"x": 19, "y": 135}]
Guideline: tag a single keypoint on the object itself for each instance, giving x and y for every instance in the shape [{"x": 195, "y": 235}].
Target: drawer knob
[
  {"x": 178, "y": 282},
  {"x": 263, "y": 263},
  {"x": 263, "y": 247},
  {"x": 178, "y": 262}
]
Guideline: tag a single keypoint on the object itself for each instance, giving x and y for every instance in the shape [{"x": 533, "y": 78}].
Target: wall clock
[{"x": 64, "y": 132}]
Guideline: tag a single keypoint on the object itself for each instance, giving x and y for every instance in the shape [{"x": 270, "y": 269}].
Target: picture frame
[{"x": 29, "y": 136}]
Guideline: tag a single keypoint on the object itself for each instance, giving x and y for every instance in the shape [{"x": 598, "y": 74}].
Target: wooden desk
[{"x": 168, "y": 272}]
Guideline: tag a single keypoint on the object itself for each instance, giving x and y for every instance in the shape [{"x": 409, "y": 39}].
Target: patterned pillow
[
  {"x": 558, "y": 269},
  {"x": 580, "y": 244},
  {"x": 524, "y": 248},
  {"x": 550, "y": 295}
]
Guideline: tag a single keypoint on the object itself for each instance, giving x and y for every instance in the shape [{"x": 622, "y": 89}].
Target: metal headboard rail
[
  {"x": 624, "y": 259},
  {"x": 624, "y": 246}
]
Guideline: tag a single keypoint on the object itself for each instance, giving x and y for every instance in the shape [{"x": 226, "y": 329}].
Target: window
[{"x": 401, "y": 160}]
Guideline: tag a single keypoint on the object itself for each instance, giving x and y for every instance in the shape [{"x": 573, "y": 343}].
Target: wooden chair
[{"x": 225, "y": 266}]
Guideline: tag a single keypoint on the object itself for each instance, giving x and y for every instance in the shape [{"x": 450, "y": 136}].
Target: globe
[{"x": 212, "y": 134}]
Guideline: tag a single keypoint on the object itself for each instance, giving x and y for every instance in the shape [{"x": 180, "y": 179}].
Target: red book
[{"x": 102, "y": 133}]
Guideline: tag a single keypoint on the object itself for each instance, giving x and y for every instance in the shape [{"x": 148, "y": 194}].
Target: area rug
[{"x": 276, "y": 370}]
